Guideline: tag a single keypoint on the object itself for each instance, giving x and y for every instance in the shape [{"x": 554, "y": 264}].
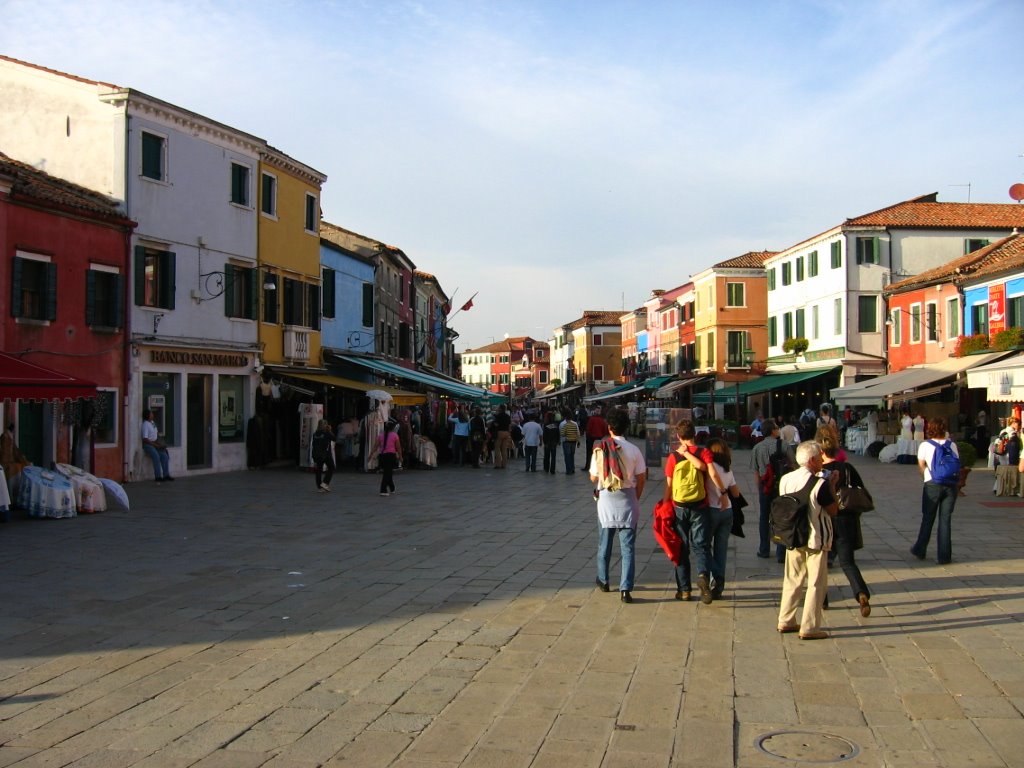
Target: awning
[
  {"x": 622, "y": 389},
  {"x": 557, "y": 392},
  {"x": 400, "y": 396},
  {"x": 766, "y": 383},
  {"x": 457, "y": 389},
  {"x": 911, "y": 382},
  {"x": 22, "y": 380},
  {"x": 673, "y": 386},
  {"x": 1003, "y": 381}
]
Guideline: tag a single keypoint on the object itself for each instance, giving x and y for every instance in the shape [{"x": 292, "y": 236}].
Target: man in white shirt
[
  {"x": 533, "y": 435},
  {"x": 807, "y": 566},
  {"x": 155, "y": 449}
]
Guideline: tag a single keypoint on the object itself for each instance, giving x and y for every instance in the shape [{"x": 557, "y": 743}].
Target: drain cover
[{"x": 807, "y": 746}]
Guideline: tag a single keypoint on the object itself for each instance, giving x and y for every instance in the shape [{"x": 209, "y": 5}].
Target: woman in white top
[{"x": 720, "y": 493}]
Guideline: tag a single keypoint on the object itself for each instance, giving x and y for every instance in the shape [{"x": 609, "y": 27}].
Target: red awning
[{"x": 22, "y": 380}]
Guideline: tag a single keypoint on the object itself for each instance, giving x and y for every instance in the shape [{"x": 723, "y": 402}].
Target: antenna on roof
[{"x": 968, "y": 189}]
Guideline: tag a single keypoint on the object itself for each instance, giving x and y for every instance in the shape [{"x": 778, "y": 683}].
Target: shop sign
[
  {"x": 181, "y": 357},
  {"x": 996, "y": 308}
]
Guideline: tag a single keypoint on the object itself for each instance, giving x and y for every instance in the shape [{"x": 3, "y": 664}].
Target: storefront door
[{"x": 198, "y": 420}]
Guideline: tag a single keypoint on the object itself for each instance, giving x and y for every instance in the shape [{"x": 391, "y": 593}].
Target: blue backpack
[{"x": 945, "y": 464}]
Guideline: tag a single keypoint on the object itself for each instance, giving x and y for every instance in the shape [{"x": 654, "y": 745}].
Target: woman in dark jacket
[{"x": 847, "y": 535}]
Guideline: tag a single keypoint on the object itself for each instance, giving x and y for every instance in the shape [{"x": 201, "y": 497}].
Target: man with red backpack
[{"x": 772, "y": 459}]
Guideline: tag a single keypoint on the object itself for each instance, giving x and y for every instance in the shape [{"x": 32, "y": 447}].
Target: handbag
[{"x": 854, "y": 500}]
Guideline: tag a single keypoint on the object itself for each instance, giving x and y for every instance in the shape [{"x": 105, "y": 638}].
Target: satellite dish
[{"x": 1017, "y": 192}]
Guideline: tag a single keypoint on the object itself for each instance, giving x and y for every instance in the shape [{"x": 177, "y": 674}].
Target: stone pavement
[{"x": 244, "y": 620}]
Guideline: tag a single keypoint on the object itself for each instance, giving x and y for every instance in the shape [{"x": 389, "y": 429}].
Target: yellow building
[{"x": 289, "y": 259}]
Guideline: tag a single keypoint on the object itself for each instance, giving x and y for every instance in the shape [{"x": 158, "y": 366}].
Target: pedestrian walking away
[
  {"x": 686, "y": 472},
  {"x": 551, "y": 441},
  {"x": 389, "y": 447},
  {"x": 619, "y": 473},
  {"x": 846, "y": 528},
  {"x": 595, "y": 428},
  {"x": 806, "y": 574},
  {"x": 503, "y": 437},
  {"x": 939, "y": 462},
  {"x": 321, "y": 454},
  {"x": 569, "y": 432},
  {"x": 533, "y": 435},
  {"x": 771, "y": 459},
  {"x": 721, "y": 489}
]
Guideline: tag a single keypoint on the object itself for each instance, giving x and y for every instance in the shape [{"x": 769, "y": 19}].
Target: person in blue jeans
[
  {"x": 721, "y": 490},
  {"x": 937, "y": 499},
  {"x": 692, "y": 516},
  {"x": 619, "y": 472},
  {"x": 155, "y": 449}
]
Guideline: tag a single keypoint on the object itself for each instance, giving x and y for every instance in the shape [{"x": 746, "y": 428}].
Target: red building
[{"x": 65, "y": 259}]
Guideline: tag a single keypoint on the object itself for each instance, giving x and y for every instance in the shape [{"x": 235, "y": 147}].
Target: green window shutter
[
  {"x": 314, "y": 307},
  {"x": 876, "y": 250},
  {"x": 168, "y": 272},
  {"x": 90, "y": 297},
  {"x": 16, "y": 288},
  {"x": 229, "y": 290},
  {"x": 117, "y": 319},
  {"x": 51, "y": 291},
  {"x": 140, "y": 275},
  {"x": 368, "y": 305},
  {"x": 328, "y": 293},
  {"x": 254, "y": 293}
]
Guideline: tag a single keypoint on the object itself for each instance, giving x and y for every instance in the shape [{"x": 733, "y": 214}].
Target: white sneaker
[
  {"x": 385, "y": 493},
  {"x": 325, "y": 487}
]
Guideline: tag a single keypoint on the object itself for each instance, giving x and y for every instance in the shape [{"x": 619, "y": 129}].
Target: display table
[
  {"x": 90, "y": 495},
  {"x": 857, "y": 440},
  {"x": 45, "y": 494},
  {"x": 426, "y": 452},
  {"x": 5, "y": 497}
]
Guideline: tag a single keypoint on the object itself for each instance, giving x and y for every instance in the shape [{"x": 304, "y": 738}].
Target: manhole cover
[{"x": 807, "y": 746}]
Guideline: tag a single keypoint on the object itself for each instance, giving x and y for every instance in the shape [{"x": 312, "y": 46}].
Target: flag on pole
[{"x": 469, "y": 304}]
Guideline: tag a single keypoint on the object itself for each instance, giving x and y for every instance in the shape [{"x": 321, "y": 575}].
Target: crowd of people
[{"x": 802, "y": 459}]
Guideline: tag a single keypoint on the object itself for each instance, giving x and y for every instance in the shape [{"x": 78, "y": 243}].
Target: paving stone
[{"x": 455, "y": 640}]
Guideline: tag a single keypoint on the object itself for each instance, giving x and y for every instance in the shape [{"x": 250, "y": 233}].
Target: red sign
[{"x": 996, "y": 309}]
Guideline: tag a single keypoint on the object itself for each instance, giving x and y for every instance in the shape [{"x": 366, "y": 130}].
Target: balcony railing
[{"x": 296, "y": 343}]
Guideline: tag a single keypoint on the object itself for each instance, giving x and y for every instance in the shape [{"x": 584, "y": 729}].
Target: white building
[
  {"x": 189, "y": 182},
  {"x": 827, "y": 289}
]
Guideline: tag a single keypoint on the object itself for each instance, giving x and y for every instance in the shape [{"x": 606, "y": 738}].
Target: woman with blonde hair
[{"x": 721, "y": 489}]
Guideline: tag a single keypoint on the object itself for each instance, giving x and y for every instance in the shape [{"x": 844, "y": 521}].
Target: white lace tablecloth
[
  {"x": 90, "y": 496},
  {"x": 5, "y": 496},
  {"x": 46, "y": 494}
]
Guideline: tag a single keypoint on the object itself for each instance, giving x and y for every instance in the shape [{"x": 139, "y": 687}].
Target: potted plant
[
  {"x": 968, "y": 345},
  {"x": 968, "y": 456},
  {"x": 797, "y": 345}
]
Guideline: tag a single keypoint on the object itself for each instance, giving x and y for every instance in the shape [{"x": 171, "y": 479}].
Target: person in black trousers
[{"x": 846, "y": 530}]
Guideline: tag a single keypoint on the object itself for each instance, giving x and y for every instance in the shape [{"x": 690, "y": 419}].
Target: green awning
[
  {"x": 454, "y": 388},
  {"x": 761, "y": 384},
  {"x": 658, "y": 382}
]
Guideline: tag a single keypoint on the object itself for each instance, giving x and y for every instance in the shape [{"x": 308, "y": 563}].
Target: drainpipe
[{"x": 129, "y": 282}]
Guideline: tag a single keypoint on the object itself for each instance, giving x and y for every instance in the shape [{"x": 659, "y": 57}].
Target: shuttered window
[{"x": 34, "y": 289}]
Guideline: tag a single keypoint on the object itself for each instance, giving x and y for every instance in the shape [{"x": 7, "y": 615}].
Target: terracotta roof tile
[
  {"x": 924, "y": 211},
  {"x": 1002, "y": 255},
  {"x": 29, "y": 182},
  {"x": 751, "y": 260},
  {"x": 596, "y": 317}
]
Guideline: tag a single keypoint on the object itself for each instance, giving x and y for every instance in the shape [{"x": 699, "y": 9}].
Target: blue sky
[{"x": 562, "y": 156}]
